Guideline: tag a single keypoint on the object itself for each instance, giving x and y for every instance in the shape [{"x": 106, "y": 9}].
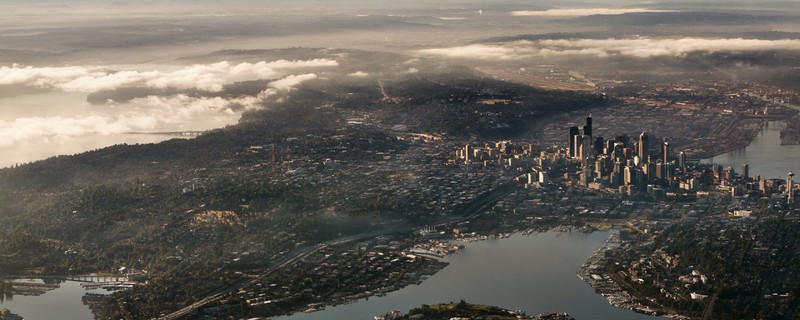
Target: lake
[
  {"x": 64, "y": 303},
  {"x": 535, "y": 274},
  {"x": 765, "y": 155}
]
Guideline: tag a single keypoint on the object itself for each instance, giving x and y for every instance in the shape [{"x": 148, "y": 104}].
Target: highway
[{"x": 472, "y": 210}]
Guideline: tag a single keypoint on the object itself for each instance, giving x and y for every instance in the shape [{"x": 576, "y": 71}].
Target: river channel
[
  {"x": 765, "y": 155},
  {"x": 534, "y": 273}
]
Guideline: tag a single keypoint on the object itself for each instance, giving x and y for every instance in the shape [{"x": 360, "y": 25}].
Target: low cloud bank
[
  {"x": 639, "y": 47},
  {"x": 210, "y": 77},
  {"x": 582, "y": 12},
  {"x": 153, "y": 113}
]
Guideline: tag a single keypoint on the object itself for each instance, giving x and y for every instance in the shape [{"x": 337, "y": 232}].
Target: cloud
[
  {"x": 638, "y": 47},
  {"x": 358, "y": 74},
  {"x": 152, "y": 113},
  {"x": 290, "y": 82},
  {"x": 452, "y": 18},
  {"x": 482, "y": 52},
  {"x": 582, "y": 12},
  {"x": 210, "y": 77},
  {"x": 142, "y": 115},
  {"x": 46, "y": 76},
  {"x": 36, "y": 128}
]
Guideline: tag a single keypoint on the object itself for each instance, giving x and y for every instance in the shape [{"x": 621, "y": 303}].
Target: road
[
  {"x": 470, "y": 211},
  {"x": 383, "y": 90},
  {"x": 710, "y": 307}
]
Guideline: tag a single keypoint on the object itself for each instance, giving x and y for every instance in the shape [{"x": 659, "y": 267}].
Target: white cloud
[
  {"x": 141, "y": 115},
  {"x": 452, "y": 18},
  {"x": 582, "y": 12},
  {"x": 290, "y": 82},
  {"x": 42, "y": 76},
  {"x": 96, "y": 80},
  {"x": 483, "y": 52},
  {"x": 358, "y": 74},
  {"x": 639, "y": 47},
  {"x": 152, "y": 113},
  {"x": 32, "y": 128},
  {"x": 211, "y": 77}
]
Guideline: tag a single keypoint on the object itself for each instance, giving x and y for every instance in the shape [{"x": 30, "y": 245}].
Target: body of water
[
  {"x": 535, "y": 274},
  {"x": 63, "y": 303},
  {"x": 765, "y": 155}
]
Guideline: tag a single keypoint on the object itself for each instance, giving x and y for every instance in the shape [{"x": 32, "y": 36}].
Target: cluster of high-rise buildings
[
  {"x": 501, "y": 152},
  {"x": 629, "y": 165},
  {"x": 625, "y": 163},
  {"x": 633, "y": 165}
]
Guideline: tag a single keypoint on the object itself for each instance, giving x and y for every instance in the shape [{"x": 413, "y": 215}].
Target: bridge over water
[{"x": 76, "y": 278}]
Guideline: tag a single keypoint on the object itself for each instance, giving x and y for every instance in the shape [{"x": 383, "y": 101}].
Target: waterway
[
  {"x": 64, "y": 303},
  {"x": 765, "y": 155},
  {"x": 534, "y": 273}
]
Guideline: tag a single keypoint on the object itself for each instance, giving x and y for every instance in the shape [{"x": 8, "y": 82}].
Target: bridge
[{"x": 76, "y": 278}]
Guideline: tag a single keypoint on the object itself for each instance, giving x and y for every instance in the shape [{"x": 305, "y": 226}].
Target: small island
[{"x": 464, "y": 310}]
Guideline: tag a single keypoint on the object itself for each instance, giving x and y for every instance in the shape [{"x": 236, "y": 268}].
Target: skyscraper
[
  {"x": 585, "y": 149},
  {"x": 682, "y": 161},
  {"x": 586, "y": 176},
  {"x": 790, "y": 187},
  {"x": 629, "y": 176},
  {"x": 573, "y": 132},
  {"x": 598, "y": 145},
  {"x": 666, "y": 152},
  {"x": 578, "y": 144},
  {"x": 600, "y": 166},
  {"x": 745, "y": 171},
  {"x": 644, "y": 144},
  {"x": 617, "y": 151},
  {"x": 587, "y": 129}
]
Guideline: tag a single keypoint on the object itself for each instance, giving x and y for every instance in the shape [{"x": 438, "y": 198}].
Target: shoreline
[
  {"x": 595, "y": 274},
  {"x": 438, "y": 265}
]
